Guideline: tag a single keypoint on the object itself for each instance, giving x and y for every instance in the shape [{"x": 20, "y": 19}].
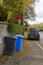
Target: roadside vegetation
[
  {"x": 9, "y": 11},
  {"x": 39, "y": 26},
  {"x": 3, "y": 13}
]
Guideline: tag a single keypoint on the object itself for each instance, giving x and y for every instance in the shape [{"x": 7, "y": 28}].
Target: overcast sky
[{"x": 39, "y": 12}]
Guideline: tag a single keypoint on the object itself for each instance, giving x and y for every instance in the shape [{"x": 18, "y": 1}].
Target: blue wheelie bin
[
  {"x": 19, "y": 42},
  {"x": 9, "y": 47}
]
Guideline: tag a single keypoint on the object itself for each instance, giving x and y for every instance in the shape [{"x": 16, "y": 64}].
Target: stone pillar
[{"x": 3, "y": 32}]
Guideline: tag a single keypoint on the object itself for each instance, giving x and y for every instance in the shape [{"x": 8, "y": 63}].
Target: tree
[
  {"x": 17, "y": 7},
  {"x": 3, "y": 14}
]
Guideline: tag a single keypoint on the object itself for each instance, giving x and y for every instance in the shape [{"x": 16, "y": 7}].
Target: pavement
[
  {"x": 19, "y": 57},
  {"x": 31, "y": 54},
  {"x": 25, "y": 57}
]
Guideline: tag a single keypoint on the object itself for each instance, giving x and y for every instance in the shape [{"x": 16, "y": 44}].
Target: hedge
[
  {"x": 3, "y": 14},
  {"x": 15, "y": 28}
]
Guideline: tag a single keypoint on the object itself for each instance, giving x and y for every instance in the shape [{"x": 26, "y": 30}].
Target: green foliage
[
  {"x": 18, "y": 7},
  {"x": 3, "y": 14},
  {"x": 41, "y": 29},
  {"x": 14, "y": 28}
]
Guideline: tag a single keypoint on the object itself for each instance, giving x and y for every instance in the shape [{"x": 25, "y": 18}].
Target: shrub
[
  {"x": 41, "y": 29},
  {"x": 14, "y": 28},
  {"x": 3, "y": 14}
]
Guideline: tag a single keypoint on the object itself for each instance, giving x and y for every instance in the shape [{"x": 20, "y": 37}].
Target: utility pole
[
  {"x": 1, "y": 1},
  {"x": 23, "y": 18}
]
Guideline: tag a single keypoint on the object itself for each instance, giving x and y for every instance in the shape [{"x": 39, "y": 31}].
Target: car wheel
[
  {"x": 38, "y": 39},
  {"x": 28, "y": 38}
]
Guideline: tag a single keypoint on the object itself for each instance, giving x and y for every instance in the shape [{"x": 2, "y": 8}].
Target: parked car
[{"x": 33, "y": 33}]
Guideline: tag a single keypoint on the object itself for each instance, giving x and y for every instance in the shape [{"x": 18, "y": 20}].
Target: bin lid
[
  {"x": 10, "y": 37},
  {"x": 14, "y": 37},
  {"x": 19, "y": 36}
]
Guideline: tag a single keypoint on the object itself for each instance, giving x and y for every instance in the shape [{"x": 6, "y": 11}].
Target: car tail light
[{"x": 38, "y": 32}]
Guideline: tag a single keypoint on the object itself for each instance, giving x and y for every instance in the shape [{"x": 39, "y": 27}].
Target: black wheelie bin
[{"x": 9, "y": 45}]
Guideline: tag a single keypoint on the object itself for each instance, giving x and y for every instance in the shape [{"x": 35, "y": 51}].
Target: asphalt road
[{"x": 32, "y": 56}]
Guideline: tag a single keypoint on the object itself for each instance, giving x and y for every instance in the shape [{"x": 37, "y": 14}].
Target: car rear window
[{"x": 34, "y": 29}]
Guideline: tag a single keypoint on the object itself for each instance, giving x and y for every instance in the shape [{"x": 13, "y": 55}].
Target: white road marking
[{"x": 39, "y": 45}]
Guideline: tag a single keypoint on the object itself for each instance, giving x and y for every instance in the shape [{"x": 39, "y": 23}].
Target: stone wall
[{"x": 3, "y": 32}]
